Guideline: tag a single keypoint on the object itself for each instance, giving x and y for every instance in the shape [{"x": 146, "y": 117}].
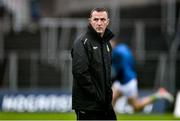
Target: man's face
[{"x": 99, "y": 21}]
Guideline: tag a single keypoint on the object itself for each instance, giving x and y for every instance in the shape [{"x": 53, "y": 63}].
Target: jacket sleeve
[{"x": 80, "y": 69}]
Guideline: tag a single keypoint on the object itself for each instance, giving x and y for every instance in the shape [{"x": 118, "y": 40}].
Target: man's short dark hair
[{"x": 99, "y": 10}]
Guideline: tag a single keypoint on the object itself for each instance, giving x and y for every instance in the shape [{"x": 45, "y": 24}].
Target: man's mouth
[{"x": 99, "y": 28}]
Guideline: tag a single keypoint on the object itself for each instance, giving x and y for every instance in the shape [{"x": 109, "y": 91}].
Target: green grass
[
  {"x": 146, "y": 117},
  {"x": 72, "y": 116},
  {"x": 37, "y": 116}
]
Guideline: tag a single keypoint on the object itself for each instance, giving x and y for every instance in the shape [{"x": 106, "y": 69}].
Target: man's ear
[
  {"x": 89, "y": 20},
  {"x": 108, "y": 21}
]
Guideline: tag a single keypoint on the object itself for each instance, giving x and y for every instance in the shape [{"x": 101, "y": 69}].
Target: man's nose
[{"x": 99, "y": 22}]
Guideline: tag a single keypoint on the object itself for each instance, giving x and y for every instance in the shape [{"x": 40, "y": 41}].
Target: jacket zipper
[{"x": 104, "y": 70}]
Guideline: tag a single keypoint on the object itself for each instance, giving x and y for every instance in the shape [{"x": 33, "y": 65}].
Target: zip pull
[{"x": 107, "y": 48}]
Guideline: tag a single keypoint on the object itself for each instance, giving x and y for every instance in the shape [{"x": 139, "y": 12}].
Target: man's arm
[{"x": 81, "y": 70}]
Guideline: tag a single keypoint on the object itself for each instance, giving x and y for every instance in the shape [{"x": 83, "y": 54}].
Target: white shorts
[{"x": 129, "y": 90}]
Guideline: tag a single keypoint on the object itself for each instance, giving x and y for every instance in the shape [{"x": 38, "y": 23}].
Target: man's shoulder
[
  {"x": 82, "y": 39},
  {"x": 122, "y": 48},
  {"x": 79, "y": 38}
]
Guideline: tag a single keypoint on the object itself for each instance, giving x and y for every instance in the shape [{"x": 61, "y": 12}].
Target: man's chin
[{"x": 99, "y": 32}]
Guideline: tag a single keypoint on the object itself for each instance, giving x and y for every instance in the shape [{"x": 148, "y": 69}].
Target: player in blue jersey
[{"x": 125, "y": 79}]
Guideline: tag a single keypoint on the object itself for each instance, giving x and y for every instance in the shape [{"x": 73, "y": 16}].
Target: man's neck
[{"x": 101, "y": 34}]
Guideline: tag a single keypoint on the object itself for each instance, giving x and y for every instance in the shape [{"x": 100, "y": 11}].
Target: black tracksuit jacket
[{"x": 91, "y": 67}]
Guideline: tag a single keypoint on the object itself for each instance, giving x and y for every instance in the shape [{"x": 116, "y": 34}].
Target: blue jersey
[{"x": 123, "y": 64}]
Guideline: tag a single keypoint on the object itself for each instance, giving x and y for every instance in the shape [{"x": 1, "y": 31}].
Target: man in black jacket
[{"x": 91, "y": 60}]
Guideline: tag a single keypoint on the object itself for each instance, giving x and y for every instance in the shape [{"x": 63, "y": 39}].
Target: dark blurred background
[{"x": 36, "y": 38}]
